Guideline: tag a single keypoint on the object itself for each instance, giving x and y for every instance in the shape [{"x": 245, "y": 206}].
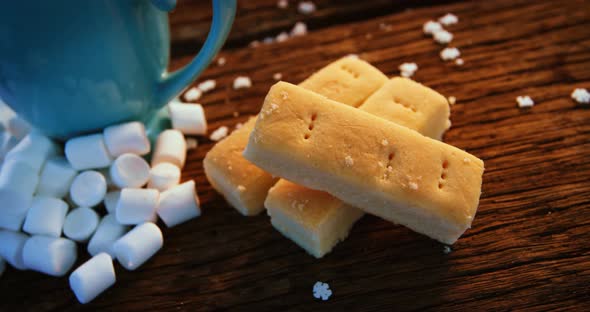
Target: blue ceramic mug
[{"x": 71, "y": 67}]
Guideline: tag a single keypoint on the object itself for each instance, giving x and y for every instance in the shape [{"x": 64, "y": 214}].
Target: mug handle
[{"x": 173, "y": 83}]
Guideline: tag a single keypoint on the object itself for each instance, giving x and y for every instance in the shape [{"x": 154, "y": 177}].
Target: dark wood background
[{"x": 529, "y": 248}]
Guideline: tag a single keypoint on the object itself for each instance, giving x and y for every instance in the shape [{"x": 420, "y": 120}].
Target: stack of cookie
[{"x": 348, "y": 140}]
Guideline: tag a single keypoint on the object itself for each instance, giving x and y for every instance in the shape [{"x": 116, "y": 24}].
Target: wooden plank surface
[{"x": 528, "y": 249}]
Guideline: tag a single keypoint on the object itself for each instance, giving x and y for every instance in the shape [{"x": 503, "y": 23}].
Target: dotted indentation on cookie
[
  {"x": 350, "y": 71},
  {"x": 310, "y": 127},
  {"x": 404, "y": 104},
  {"x": 443, "y": 174},
  {"x": 389, "y": 167}
]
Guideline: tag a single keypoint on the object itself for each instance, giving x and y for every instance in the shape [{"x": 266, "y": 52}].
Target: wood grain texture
[{"x": 528, "y": 249}]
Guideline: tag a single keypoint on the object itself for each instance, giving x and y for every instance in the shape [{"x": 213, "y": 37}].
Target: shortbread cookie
[
  {"x": 348, "y": 80},
  {"x": 412, "y": 105},
  {"x": 315, "y": 220},
  {"x": 311, "y": 225},
  {"x": 244, "y": 185},
  {"x": 383, "y": 168}
]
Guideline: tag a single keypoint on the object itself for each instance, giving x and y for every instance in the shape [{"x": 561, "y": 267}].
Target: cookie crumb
[
  {"x": 306, "y": 7},
  {"x": 221, "y": 61},
  {"x": 524, "y": 101},
  {"x": 219, "y": 134},
  {"x": 207, "y": 85},
  {"x": 242, "y": 82},
  {"x": 581, "y": 96},
  {"x": 452, "y": 100},
  {"x": 277, "y": 76},
  {"x": 449, "y": 19},
  {"x": 408, "y": 69},
  {"x": 349, "y": 161}
]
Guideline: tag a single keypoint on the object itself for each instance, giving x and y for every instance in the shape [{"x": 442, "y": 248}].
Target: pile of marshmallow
[{"x": 40, "y": 181}]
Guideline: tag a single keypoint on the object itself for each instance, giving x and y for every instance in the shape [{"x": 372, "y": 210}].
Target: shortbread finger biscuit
[
  {"x": 410, "y": 104},
  {"x": 348, "y": 80},
  {"x": 316, "y": 220},
  {"x": 383, "y": 168},
  {"x": 244, "y": 185}
]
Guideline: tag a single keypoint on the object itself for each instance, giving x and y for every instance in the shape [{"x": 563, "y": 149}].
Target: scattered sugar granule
[
  {"x": 322, "y": 290},
  {"x": 282, "y": 37},
  {"x": 443, "y": 36},
  {"x": 447, "y": 250},
  {"x": 413, "y": 186},
  {"x": 241, "y": 188},
  {"x": 284, "y": 95},
  {"x": 242, "y": 82},
  {"x": 459, "y": 62},
  {"x": 219, "y": 134},
  {"x": 448, "y": 54},
  {"x": 581, "y": 96},
  {"x": 254, "y": 44},
  {"x": 239, "y": 125},
  {"x": 299, "y": 29},
  {"x": 408, "y": 69},
  {"x": 191, "y": 143},
  {"x": 207, "y": 85},
  {"x": 466, "y": 160},
  {"x": 431, "y": 27},
  {"x": 193, "y": 94},
  {"x": 384, "y": 142},
  {"x": 268, "y": 40},
  {"x": 282, "y": 4},
  {"x": 449, "y": 19},
  {"x": 306, "y": 7},
  {"x": 221, "y": 61},
  {"x": 524, "y": 101},
  {"x": 452, "y": 100},
  {"x": 277, "y": 76},
  {"x": 349, "y": 161}
]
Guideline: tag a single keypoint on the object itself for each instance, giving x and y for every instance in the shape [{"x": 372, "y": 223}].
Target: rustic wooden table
[{"x": 529, "y": 246}]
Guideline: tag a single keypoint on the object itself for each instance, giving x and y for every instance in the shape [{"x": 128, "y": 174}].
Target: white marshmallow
[
  {"x": 127, "y": 138},
  {"x": 50, "y": 255},
  {"x": 188, "y": 118},
  {"x": 164, "y": 176},
  {"x": 130, "y": 170},
  {"x": 7, "y": 143},
  {"x": 170, "y": 147},
  {"x": 11, "y": 248},
  {"x": 17, "y": 185},
  {"x": 108, "y": 232},
  {"x": 136, "y": 206},
  {"x": 88, "y": 152},
  {"x": 18, "y": 127},
  {"x": 191, "y": 143},
  {"x": 88, "y": 188},
  {"x": 33, "y": 150},
  {"x": 93, "y": 277},
  {"x": 56, "y": 178},
  {"x": 179, "y": 204},
  {"x": 46, "y": 216},
  {"x": 137, "y": 246},
  {"x": 18, "y": 176},
  {"x": 110, "y": 201},
  {"x": 80, "y": 224}
]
